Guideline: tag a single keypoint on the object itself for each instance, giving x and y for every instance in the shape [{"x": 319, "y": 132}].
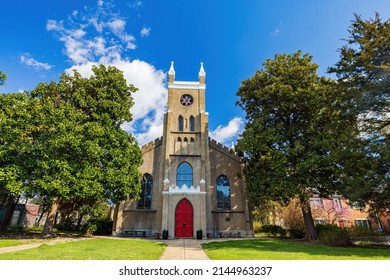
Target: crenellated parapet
[
  {"x": 222, "y": 148},
  {"x": 151, "y": 145}
]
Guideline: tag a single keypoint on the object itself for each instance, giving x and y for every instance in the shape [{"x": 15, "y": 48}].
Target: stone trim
[
  {"x": 186, "y": 85},
  {"x": 172, "y": 155}
]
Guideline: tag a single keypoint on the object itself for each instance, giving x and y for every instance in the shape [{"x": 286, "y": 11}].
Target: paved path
[{"x": 184, "y": 249}]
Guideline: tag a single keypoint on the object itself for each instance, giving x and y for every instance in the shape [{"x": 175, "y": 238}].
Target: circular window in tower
[{"x": 186, "y": 100}]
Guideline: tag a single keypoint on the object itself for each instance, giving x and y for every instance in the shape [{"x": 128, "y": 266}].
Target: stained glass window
[
  {"x": 184, "y": 175},
  {"x": 223, "y": 193},
  {"x": 180, "y": 123},
  {"x": 146, "y": 192},
  {"x": 186, "y": 100},
  {"x": 192, "y": 124}
]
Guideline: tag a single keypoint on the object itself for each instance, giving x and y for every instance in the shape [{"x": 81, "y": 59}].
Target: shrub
[
  {"x": 296, "y": 233},
  {"x": 361, "y": 234},
  {"x": 104, "y": 227},
  {"x": 98, "y": 227},
  {"x": 69, "y": 224},
  {"x": 14, "y": 228},
  {"x": 256, "y": 227},
  {"x": 33, "y": 229},
  {"x": 274, "y": 230},
  {"x": 89, "y": 228},
  {"x": 333, "y": 235}
]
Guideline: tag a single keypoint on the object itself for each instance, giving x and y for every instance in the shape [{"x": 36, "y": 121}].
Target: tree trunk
[
  {"x": 311, "y": 233},
  {"x": 48, "y": 229},
  {"x": 11, "y": 205},
  {"x": 43, "y": 212},
  {"x": 79, "y": 220}
]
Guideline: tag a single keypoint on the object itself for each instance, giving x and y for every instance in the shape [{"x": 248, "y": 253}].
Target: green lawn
[
  {"x": 275, "y": 249},
  {"x": 7, "y": 243},
  {"x": 94, "y": 249},
  {"x": 13, "y": 242}
]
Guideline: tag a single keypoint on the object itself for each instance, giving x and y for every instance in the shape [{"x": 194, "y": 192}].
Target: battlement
[
  {"x": 222, "y": 148},
  {"x": 151, "y": 145}
]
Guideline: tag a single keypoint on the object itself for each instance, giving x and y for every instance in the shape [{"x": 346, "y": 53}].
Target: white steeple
[
  {"x": 202, "y": 73},
  {"x": 171, "y": 70}
]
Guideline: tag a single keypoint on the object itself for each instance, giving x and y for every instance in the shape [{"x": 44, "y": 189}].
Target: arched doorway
[{"x": 184, "y": 217}]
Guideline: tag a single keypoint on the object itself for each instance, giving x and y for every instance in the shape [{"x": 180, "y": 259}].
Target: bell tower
[
  {"x": 186, "y": 146},
  {"x": 186, "y": 125}
]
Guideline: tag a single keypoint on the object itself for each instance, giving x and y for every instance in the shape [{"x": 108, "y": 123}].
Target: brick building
[{"x": 338, "y": 211}]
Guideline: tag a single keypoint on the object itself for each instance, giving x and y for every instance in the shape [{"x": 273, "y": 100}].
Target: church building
[{"x": 190, "y": 182}]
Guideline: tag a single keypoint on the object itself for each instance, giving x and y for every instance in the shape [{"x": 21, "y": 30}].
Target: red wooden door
[{"x": 184, "y": 219}]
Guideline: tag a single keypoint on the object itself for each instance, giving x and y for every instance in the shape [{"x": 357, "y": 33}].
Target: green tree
[
  {"x": 364, "y": 67},
  {"x": 3, "y": 78},
  {"x": 15, "y": 143},
  {"x": 295, "y": 125},
  {"x": 364, "y": 70},
  {"x": 83, "y": 152},
  {"x": 75, "y": 147}
]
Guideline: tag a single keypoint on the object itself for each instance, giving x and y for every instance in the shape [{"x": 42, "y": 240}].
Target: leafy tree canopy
[
  {"x": 296, "y": 122},
  {"x": 3, "y": 78},
  {"x": 74, "y": 146},
  {"x": 364, "y": 66},
  {"x": 364, "y": 70}
]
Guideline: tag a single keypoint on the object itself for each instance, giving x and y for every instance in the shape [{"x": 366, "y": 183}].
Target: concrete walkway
[{"x": 184, "y": 249}]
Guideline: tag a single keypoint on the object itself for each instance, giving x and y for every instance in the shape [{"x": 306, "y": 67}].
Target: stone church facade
[{"x": 190, "y": 182}]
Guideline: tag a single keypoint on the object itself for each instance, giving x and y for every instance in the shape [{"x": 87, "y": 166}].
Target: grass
[
  {"x": 8, "y": 243},
  {"x": 12, "y": 242},
  {"x": 93, "y": 249},
  {"x": 277, "y": 249}
]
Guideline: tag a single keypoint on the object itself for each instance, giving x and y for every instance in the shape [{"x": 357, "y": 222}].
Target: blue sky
[{"x": 41, "y": 39}]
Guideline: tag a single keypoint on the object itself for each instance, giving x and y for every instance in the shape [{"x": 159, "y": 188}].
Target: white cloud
[
  {"x": 275, "y": 32},
  {"x": 228, "y": 133},
  {"x": 117, "y": 26},
  {"x": 136, "y": 4},
  {"x": 100, "y": 37},
  {"x": 150, "y": 99},
  {"x": 145, "y": 32},
  {"x": 54, "y": 25},
  {"x": 81, "y": 42},
  {"x": 26, "y": 59}
]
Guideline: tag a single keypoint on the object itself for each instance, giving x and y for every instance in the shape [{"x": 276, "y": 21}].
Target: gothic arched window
[
  {"x": 146, "y": 192},
  {"x": 179, "y": 139},
  {"x": 185, "y": 139},
  {"x": 192, "y": 140},
  {"x": 180, "y": 123},
  {"x": 192, "y": 124},
  {"x": 223, "y": 193},
  {"x": 184, "y": 174}
]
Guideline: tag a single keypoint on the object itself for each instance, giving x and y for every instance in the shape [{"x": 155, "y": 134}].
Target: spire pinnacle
[
  {"x": 171, "y": 70},
  {"x": 202, "y": 73}
]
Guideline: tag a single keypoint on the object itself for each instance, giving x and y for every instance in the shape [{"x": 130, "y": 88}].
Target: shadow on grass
[{"x": 277, "y": 249}]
